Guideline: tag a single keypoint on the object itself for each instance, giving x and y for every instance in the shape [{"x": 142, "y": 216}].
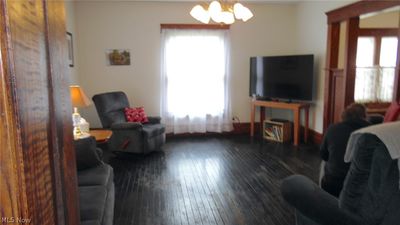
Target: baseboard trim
[
  {"x": 316, "y": 137},
  {"x": 244, "y": 128}
]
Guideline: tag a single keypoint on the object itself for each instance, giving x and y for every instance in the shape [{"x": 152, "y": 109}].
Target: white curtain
[
  {"x": 374, "y": 84},
  {"x": 195, "y": 80}
]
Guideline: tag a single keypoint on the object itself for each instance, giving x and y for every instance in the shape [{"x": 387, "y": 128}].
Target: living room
[
  {"x": 276, "y": 29},
  {"x": 200, "y": 174}
]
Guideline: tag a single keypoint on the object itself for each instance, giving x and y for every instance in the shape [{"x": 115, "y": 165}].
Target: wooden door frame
[
  {"x": 22, "y": 148},
  {"x": 349, "y": 14}
]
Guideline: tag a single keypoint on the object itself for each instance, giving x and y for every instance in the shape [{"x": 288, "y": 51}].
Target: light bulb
[
  {"x": 200, "y": 14},
  {"x": 214, "y": 8},
  {"x": 217, "y": 14},
  {"x": 205, "y": 17},
  {"x": 227, "y": 17},
  {"x": 246, "y": 14},
  {"x": 238, "y": 10},
  {"x": 218, "y": 18}
]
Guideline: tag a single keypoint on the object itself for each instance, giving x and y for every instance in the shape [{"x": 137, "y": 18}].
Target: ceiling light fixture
[{"x": 221, "y": 12}]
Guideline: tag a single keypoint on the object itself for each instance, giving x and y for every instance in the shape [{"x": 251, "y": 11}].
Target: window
[
  {"x": 195, "y": 80},
  {"x": 375, "y": 69}
]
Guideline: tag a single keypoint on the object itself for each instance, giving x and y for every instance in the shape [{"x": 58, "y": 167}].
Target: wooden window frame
[
  {"x": 195, "y": 26},
  {"x": 377, "y": 34}
]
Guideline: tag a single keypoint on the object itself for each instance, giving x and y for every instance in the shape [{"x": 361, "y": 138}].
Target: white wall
[
  {"x": 276, "y": 29},
  {"x": 311, "y": 38},
  {"x": 70, "y": 25},
  {"x": 136, "y": 26}
]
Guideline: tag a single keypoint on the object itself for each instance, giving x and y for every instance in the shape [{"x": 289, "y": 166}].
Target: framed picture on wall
[
  {"x": 118, "y": 57},
  {"x": 70, "y": 50}
]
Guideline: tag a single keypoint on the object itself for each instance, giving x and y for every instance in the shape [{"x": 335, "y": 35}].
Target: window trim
[
  {"x": 377, "y": 34},
  {"x": 195, "y": 26}
]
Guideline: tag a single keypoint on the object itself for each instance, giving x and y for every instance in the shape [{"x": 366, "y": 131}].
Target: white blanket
[{"x": 388, "y": 133}]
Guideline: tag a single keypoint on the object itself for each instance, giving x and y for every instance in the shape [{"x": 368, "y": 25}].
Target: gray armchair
[
  {"x": 128, "y": 136},
  {"x": 370, "y": 194}
]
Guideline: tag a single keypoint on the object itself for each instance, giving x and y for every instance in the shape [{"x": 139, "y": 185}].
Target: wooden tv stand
[{"x": 295, "y": 107}]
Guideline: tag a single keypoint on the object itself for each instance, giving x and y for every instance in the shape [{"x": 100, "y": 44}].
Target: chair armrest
[
  {"x": 375, "y": 118},
  {"x": 99, "y": 153},
  {"x": 315, "y": 203},
  {"x": 87, "y": 154},
  {"x": 126, "y": 126},
  {"x": 154, "y": 119}
]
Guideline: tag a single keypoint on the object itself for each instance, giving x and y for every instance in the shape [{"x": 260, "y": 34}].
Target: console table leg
[
  {"x": 296, "y": 121},
  {"x": 306, "y": 124},
  {"x": 262, "y": 118},
  {"x": 252, "y": 117}
]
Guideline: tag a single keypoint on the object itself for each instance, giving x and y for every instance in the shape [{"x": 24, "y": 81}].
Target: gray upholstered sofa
[
  {"x": 370, "y": 194},
  {"x": 130, "y": 137},
  {"x": 95, "y": 183}
]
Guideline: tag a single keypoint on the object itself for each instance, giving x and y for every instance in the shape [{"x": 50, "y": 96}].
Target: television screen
[{"x": 282, "y": 77}]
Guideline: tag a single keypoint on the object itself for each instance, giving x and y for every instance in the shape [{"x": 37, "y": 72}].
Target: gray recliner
[
  {"x": 370, "y": 194},
  {"x": 128, "y": 136},
  {"x": 95, "y": 184}
]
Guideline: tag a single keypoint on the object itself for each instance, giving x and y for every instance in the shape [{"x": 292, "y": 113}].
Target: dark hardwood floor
[{"x": 209, "y": 180}]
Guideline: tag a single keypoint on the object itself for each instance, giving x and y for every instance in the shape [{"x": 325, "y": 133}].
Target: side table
[{"x": 101, "y": 135}]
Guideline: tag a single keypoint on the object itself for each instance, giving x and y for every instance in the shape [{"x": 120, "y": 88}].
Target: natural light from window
[
  {"x": 374, "y": 79},
  {"x": 195, "y": 69},
  {"x": 365, "y": 52},
  {"x": 195, "y": 77}
]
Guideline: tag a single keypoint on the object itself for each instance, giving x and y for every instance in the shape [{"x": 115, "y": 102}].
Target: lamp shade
[{"x": 78, "y": 97}]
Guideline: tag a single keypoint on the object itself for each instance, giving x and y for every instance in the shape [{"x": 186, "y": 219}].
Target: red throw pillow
[
  {"x": 136, "y": 115},
  {"x": 392, "y": 112}
]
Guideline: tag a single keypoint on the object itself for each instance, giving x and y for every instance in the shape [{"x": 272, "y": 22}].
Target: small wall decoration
[
  {"x": 119, "y": 57},
  {"x": 70, "y": 50}
]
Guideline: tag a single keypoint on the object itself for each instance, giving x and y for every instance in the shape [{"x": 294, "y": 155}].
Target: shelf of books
[{"x": 279, "y": 131}]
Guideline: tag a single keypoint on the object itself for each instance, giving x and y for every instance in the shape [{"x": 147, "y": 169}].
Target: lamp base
[
  {"x": 78, "y": 134},
  {"x": 81, "y": 127},
  {"x": 81, "y": 136}
]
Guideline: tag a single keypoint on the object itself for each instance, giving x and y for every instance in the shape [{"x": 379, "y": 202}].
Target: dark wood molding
[
  {"x": 359, "y": 8},
  {"x": 333, "y": 45},
  {"x": 195, "y": 26},
  {"x": 377, "y": 32},
  {"x": 350, "y": 59},
  {"x": 62, "y": 151},
  {"x": 334, "y": 70},
  {"x": 377, "y": 50},
  {"x": 332, "y": 58},
  {"x": 340, "y": 85},
  {"x": 377, "y": 105},
  {"x": 244, "y": 129},
  {"x": 377, "y": 108},
  {"x": 396, "y": 86},
  {"x": 316, "y": 137},
  {"x": 238, "y": 129},
  {"x": 37, "y": 158},
  {"x": 12, "y": 182}
]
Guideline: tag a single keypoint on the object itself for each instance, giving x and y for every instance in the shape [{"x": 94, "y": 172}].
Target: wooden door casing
[
  {"x": 37, "y": 158},
  {"x": 338, "y": 95},
  {"x": 333, "y": 105}
]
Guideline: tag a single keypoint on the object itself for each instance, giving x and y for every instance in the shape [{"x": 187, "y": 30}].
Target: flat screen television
[{"x": 282, "y": 77}]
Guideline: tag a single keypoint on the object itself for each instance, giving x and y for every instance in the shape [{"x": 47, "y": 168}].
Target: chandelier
[{"x": 221, "y": 12}]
